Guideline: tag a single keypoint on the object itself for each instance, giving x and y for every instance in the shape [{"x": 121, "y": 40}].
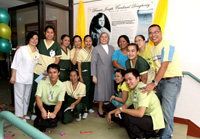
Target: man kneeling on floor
[
  {"x": 49, "y": 97},
  {"x": 146, "y": 117}
]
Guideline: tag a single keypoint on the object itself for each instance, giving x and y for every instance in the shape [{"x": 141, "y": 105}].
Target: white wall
[{"x": 182, "y": 29}]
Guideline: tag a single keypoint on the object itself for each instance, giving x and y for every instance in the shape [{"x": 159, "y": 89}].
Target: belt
[{"x": 168, "y": 78}]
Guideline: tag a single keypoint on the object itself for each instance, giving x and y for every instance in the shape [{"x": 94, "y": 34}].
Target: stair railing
[
  {"x": 191, "y": 75},
  {"x": 23, "y": 126}
]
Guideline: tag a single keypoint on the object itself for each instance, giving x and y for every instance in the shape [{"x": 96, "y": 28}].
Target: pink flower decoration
[
  {"x": 63, "y": 134},
  {"x": 96, "y": 116}
]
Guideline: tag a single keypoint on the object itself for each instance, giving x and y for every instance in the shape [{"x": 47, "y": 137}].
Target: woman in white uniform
[{"x": 25, "y": 59}]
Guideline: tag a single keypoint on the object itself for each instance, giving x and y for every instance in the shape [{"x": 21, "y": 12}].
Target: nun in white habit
[{"x": 102, "y": 71}]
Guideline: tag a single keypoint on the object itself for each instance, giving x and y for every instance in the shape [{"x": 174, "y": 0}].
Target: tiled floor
[{"x": 98, "y": 127}]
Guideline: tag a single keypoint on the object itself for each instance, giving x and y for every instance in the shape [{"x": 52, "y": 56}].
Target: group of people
[{"x": 141, "y": 83}]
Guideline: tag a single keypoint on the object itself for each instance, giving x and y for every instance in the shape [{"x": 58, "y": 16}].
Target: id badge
[
  {"x": 50, "y": 97},
  {"x": 135, "y": 98},
  {"x": 52, "y": 53},
  {"x": 35, "y": 60}
]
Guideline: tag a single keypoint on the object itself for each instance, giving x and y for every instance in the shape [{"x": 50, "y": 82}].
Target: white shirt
[
  {"x": 23, "y": 65},
  {"x": 105, "y": 47}
]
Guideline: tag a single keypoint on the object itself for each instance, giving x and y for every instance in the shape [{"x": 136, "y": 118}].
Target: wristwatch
[
  {"x": 120, "y": 109},
  {"x": 154, "y": 82}
]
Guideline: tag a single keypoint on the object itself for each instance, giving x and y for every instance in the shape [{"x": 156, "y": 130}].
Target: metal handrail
[
  {"x": 17, "y": 122},
  {"x": 191, "y": 75}
]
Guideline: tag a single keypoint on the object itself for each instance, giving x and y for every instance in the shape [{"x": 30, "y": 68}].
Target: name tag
[
  {"x": 35, "y": 60},
  {"x": 50, "y": 97},
  {"x": 52, "y": 53},
  {"x": 135, "y": 98}
]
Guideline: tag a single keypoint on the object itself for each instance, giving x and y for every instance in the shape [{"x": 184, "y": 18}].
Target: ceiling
[{"x": 5, "y": 4}]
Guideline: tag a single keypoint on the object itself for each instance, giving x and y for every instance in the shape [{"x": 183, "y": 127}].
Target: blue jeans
[{"x": 167, "y": 92}]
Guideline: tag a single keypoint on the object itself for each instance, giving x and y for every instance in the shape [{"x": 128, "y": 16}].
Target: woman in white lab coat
[{"x": 25, "y": 59}]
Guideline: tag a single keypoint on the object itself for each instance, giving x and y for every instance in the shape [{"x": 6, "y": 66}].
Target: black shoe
[
  {"x": 101, "y": 115},
  {"x": 154, "y": 135},
  {"x": 42, "y": 129}
]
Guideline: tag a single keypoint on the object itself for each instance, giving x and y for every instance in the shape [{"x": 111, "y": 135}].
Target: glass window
[
  {"x": 61, "y": 2},
  {"x": 59, "y": 19},
  {"x": 23, "y": 21}
]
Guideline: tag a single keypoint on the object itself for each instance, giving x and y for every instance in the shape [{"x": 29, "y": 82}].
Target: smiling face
[
  {"x": 73, "y": 77},
  {"x": 53, "y": 74},
  {"x": 66, "y": 41},
  {"x": 139, "y": 41},
  {"x": 101, "y": 21},
  {"x": 132, "y": 52},
  {"x": 123, "y": 43},
  {"x": 49, "y": 34},
  {"x": 33, "y": 41},
  {"x": 155, "y": 35},
  {"x": 118, "y": 77},
  {"x": 131, "y": 81},
  {"x": 77, "y": 42},
  {"x": 88, "y": 42},
  {"x": 104, "y": 38}
]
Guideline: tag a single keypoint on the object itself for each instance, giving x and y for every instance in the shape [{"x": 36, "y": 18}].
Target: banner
[
  {"x": 130, "y": 19},
  {"x": 80, "y": 26}
]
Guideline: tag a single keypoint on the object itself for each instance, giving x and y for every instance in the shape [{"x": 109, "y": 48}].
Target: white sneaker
[
  {"x": 90, "y": 110},
  {"x": 79, "y": 117},
  {"x": 85, "y": 116},
  {"x": 33, "y": 117},
  {"x": 27, "y": 117},
  {"x": 24, "y": 120}
]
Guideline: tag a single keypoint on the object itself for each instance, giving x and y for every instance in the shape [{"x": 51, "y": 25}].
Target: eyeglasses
[
  {"x": 139, "y": 41},
  {"x": 156, "y": 32}
]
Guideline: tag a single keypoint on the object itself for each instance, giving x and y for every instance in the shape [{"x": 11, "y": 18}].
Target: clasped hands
[{"x": 47, "y": 115}]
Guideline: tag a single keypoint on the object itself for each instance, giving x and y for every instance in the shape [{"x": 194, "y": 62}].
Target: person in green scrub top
[
  {"x": 84, "y": 69},
  {"x": 137, "y": 62},
  {"x": 65, "y": 64},
  {"x": 49, "y": 52}
]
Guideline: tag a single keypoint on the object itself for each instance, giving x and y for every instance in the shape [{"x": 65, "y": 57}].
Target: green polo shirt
[
  {"x": 45, "y": 88},
  {"x": 151, "y": 102}
]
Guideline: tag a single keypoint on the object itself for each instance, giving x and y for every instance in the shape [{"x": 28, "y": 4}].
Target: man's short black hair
[
  {"x": 154, "y": 25},
  {"x": 53, "y": 66},
  {"x": 133, "y": 71},
  {"x": 134, "y": 44}
]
